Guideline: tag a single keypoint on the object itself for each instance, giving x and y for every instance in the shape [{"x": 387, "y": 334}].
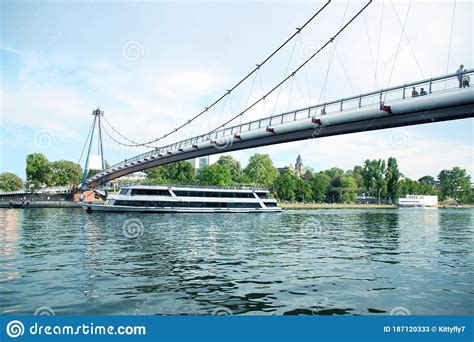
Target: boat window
[
  {"x": 219, "y": 194},
  {"x": 123, "y": 192},
  {"x": 161, "y": 204},
  {"x": 150, "y": 192},
  {"x": 262, "y": 195},
  {"x": 270, "y": 204},
  {"x": 244, "y": 195}
]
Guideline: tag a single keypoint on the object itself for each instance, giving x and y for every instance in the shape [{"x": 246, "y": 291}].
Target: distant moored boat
[{"x": 418, "y": 201}]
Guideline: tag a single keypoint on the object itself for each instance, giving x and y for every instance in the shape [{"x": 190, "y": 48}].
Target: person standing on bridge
[
  {"x": 414, "y": 92},
  {"x": 465, "y": 79},
  {"x": 459, "y": 75}
]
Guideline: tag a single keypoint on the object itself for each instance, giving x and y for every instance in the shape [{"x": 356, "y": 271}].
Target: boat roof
[{"x": 195, "y": 188}]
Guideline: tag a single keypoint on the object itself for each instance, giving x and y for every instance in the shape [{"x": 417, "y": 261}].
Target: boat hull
[{"x": 89, "y": 207}]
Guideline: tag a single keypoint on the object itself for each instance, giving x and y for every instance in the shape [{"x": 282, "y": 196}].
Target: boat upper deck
[{"x": 196, "y": 188}]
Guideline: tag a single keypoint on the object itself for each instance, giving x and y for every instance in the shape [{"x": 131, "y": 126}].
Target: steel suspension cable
[
  {"x": 298, "y": 30},
  {"x": 284, "y": 75},
  {"x": 331, "y": 56},
  {"x": 370, "y": 45},
  {"x": 118, "y": 142},
  {"x": 378, "y": 46},
  {"x": 398, "y": 47},
  {"x": 296, "y": 70},
  {"x": 409, "y": 44},
  {"x": 85, "y": 143},
  {"x": 121, "y": 135},
  {"x": 451, "y": 36}
]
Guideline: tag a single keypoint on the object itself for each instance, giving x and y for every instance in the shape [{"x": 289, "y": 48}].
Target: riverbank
[
  {"x": 357, "y": 206},
  {"x": 71, "y": 204},
  {"x": 41, "y": 204},
  {"x": 335, "y": 206}
]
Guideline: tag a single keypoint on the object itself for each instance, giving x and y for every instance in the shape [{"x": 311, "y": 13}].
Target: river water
[{"x": 333, "y": 261}]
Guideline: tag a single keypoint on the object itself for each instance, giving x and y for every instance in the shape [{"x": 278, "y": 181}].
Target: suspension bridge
[{"x": 443, "y": 98}]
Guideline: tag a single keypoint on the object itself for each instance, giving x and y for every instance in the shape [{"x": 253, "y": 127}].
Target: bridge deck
[{"x": 392, "y": 107}]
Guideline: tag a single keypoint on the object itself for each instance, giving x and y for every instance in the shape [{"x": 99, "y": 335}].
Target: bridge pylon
[{"x": 94, "y": 161}]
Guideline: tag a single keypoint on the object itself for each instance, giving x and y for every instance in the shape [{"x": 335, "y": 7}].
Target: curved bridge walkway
[{"x": 443, "y": 99}]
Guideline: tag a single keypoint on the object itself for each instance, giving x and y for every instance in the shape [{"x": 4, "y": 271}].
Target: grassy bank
[{"x": 335, "y": 206}]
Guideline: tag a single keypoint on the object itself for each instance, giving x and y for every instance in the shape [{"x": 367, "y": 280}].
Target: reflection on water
[
  {"x": 325, "y": 262},
  {"x": 9, "y": 236}
]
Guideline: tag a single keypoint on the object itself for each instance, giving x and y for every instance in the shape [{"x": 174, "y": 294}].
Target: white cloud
[
  {"x": 148, "y": 97},
  {"x": 186, "y": 84}
]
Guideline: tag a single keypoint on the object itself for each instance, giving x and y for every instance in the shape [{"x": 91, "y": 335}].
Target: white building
[
  {"x": 200, "y": 162},
  {"x": 418, "y": 201},
  {"x": 139, "y": 175}
]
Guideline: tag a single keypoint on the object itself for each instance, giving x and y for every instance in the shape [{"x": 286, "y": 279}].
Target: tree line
[
  {"x": 377, "y": 179},
  {"x": 41, "y": 172}
]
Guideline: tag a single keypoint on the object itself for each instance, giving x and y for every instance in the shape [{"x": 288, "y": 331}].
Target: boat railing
[{"x": 195, "y": 186}]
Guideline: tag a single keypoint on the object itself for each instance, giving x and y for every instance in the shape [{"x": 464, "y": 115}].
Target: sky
[{"x": 152, "y": 65}]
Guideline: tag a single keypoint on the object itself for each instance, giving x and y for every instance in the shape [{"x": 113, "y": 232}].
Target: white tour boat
[
  {"x": 418, "y": 201},
  {"x": 187, "y": 199}
]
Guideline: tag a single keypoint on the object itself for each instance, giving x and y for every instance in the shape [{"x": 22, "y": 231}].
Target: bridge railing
[{"x": 400, "y": 92}]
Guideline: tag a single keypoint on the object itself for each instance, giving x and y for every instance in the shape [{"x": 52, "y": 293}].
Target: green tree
[
  {"x": 303, "y": 191},
  {"x": 319, "y": 183},
  {"x": 356, "y": 173},
  {"x": 392, "y": 176},
  {"x": 181, "y": 172},
  {"x": 284, "y": 186},
  {"x": 215, "y": 174},
  {"x": 234, "y": 167},
  {"x": 427, "y": 180},
  {"x": 308, "y": 172},
  {"x": 334, "y": 172},
  {"x": 455, "y": 183},
  {"x": 347, "y": 189},
  {"x": 374, "y": 179},
  {"x": 64, "y": 172},
  {"x": 10, "y": 182},
  {"x": 37, "y": 169},
  {"x": 153, "y": 175},
  {"x": 260, "y": 170}
]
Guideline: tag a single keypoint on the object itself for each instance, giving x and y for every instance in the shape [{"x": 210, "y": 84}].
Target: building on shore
[
  {"x": 414, "y": 201},
  {"x": 201, "y": 162},
  {"x": 298, "y": 169}
]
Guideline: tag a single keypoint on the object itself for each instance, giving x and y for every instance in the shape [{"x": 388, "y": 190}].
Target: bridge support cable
[
  {"x": 345, "y": 71},
  {"x": 249, "y": 94},
  {"x": 85, "y": 142},
  {"x": 451, "y": 37},
  {"x": 298, "y": 30},
  {"x": 408, "y": 41},
  {"x": 263, "y": 112},
  {"x": 331, "y": 56},
  {"x": 134, "y": 143},
  {"x": 297, "y": 69},
  {"x": 284, "y": 75},
  {"x": 398, "y": 47},
  {"x": 378, "y": 46},
  {"x": 370, "y": 49},
  {"x": 121, "y": 143},
  {"x": 289, "y": 94}
]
